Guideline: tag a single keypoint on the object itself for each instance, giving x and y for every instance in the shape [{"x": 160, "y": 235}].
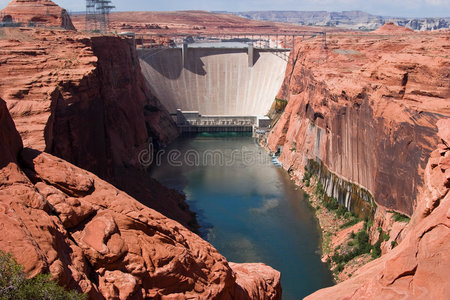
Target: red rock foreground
[
  {"x": 419, "y": 267},
  {"x": 58, "y": 218},
  {"x": 39, "y": 12}
]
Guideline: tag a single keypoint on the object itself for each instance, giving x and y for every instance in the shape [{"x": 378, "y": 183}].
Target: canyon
[
  {"x": 94, "y": 238},
  {"x": 367, "y": 114}
]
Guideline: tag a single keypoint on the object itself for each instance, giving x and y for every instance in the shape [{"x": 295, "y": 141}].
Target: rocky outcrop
[
  {"x": 418, "y": 267},
  {"x": 365, "y": 110},
  {"x": 85, "y": 100},
  {"x": 391, "y": 28},
  {"x": 37, "y": 12},
  {"x": 94, "y": 238}
]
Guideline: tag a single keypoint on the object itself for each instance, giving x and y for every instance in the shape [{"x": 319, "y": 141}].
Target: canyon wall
[
  {"x": 365, "y": 108},
  {"x": 85, "y": 100},
  {"x": 418, "y": 267},
  {"x": 98, "y": 240}
]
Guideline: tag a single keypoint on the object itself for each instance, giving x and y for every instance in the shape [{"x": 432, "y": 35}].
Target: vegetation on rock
[{"x": 15, "y": 286}]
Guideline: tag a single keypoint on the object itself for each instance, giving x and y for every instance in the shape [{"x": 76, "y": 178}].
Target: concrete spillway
[{"x": 215, "y": 81}]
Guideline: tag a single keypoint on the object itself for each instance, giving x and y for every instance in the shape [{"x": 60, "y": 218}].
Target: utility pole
[{"x": 97, "y": 15}]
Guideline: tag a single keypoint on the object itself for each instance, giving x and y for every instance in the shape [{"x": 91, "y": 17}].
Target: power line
[{"x": 97, "y": 15}]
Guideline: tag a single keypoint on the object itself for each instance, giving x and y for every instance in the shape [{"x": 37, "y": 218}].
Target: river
[{"x": 247, "y": 207}]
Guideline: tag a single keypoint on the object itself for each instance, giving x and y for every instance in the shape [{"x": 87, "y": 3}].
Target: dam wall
[{"x": 215, "y": 81}]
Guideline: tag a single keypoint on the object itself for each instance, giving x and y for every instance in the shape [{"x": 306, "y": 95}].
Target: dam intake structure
[{"x": 234, "y": 77}]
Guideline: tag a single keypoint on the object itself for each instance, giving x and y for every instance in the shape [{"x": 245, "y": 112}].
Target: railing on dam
[
  {"x": 284, "y": 40},
  {"x": 192, "y": 121}
]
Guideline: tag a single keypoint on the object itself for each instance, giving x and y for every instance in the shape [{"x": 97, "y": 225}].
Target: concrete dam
[{"x": 231, "y": 81}]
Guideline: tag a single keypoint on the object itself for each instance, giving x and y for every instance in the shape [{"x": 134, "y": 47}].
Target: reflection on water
[{"x": 251, "y": 212}]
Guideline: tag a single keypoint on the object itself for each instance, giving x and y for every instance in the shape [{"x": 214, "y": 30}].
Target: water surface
[{"x": 247, "y": 207}]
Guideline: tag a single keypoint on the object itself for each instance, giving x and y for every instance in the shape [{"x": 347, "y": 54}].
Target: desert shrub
[
  {"x": 341, "y": 210},
  {"x": 376, "y": 250},
  {"x": 331, "y": 204},
  {"x": 306, "y": 176},
  {"x": 400, "y": 218},
  {"x": 15, "y": 286},
  {"x": 361, "y": 246},
  {"x": 319, "y": 190},
  {"x": 339, "y": 268},
  {"x": 350, "y": 223},
  {"x": 362, "y": 240},
  {"x": 348, "y": 215}
]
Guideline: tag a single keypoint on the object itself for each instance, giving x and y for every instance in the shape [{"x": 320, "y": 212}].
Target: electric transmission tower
[{"x": 97, "y": 15}]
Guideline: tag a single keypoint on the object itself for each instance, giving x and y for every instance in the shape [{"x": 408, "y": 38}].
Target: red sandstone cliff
[
  {"x": 85, "y": 100},
  {"x": 419, "y": 267},
  {"x": 39, "y": 12},
  {"x": 94, "y": 238},
  {"x": 367, "y": 107}
]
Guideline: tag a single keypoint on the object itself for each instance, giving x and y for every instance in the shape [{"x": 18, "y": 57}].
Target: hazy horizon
[{"x": 392, "y": 8}]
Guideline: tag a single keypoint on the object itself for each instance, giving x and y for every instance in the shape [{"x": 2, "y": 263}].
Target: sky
[{"x": 397, "y": 8}]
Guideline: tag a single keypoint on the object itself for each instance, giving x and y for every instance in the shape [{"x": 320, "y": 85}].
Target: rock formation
[
  {"x": 38, "y": 12},
  {"x": 366, "y": 109},
  {"x": 85, "y": 100},
  {"x": 363, "y": 113},
  {"x": 418, "y": 267},
  {"x": 94, "y": 238},
  {"x": 391, "y": 28}
]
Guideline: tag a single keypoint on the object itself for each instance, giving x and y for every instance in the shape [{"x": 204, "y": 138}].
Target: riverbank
[{"x": 338, "y": 231}]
